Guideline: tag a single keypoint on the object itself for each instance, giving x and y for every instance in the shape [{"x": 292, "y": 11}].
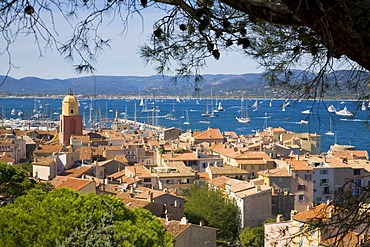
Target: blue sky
[{"x": 122, "y": 59}]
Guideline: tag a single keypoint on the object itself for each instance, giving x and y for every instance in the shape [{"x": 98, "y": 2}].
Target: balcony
[{"x": 326, "y": 184}]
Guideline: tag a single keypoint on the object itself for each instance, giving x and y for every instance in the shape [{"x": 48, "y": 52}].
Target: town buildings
[{"x": 269, "y": 174}]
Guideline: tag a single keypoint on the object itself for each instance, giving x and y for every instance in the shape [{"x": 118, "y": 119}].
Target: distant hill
[{"x": 221, "y": 85}]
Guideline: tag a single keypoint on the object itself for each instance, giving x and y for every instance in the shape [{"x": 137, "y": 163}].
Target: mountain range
[{"x": 221, "y": 85}]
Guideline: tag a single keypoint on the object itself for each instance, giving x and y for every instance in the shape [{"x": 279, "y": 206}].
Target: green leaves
[
  {"x": 214, "y": 208},
  {"x": 68, "y": 218},
  {"x": 13, "y": 181}
]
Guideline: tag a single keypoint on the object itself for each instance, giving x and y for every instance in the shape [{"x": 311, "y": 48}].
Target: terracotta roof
[
  {"x": 46, "y": 161},
  {"x": 208, "y": 134},
  {"x": 76, "y": 172},
  {"x": 231, "y": 134},
  {"x": 82, "y": 138},
  {"x": 70, "y": 182},
  {"x": 352, "y": 154},
  {"x": 85, "y": 153},
  {"x": 299, "y": 165},
  {"x": 139, "y": 171},
  {"x": 121, "y": 158},
  {"x": 48, "y": 149},
  {"x": 117, "y": 175},
  {"x": 277, "y": 172},
  {"x": 227, "y": 170},
  {"x": 173, "y": 169},
  {"x": 180, "y": 156},
  {"x": 219, "y": 182},
  {"x": 243, "y": 185},
  {"x": 253, "y": 190},
  {"x": 174, "y": 227},
  {"x": 349, "y": 239},
  {"x": 319, "y": 212}
]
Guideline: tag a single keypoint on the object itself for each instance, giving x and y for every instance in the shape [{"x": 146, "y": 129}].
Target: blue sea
[{"x": 174, "y": 112}]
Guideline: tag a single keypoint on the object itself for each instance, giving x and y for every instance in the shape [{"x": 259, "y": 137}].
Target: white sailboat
[
  {"x": 13, "y": 112},
  {"x": 187, "y": 118},
  {"x": 244, "y": 118},
  {"x": 330, "y": 132},
  {"x": 255, "y": 105},
  {"x": 283, "y": 107},
  {"x": 363, "y": 106},
  {"x": 220, "y": 107},
  {"x": 141, "y": 102}
]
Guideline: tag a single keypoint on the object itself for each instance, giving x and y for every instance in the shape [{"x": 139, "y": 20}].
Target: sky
[{"x": 121, "y": 59}]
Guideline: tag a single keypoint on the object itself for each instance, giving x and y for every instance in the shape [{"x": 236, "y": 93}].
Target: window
[
  {"x": 301, "y": 187},
  {"x": 301, "y": 197},
  {"x": 147, "y": 180},
  {"x": 204, "y": 165},
  {"x": 252, "y": 167},
  {"x": 323, "y": 171},
  {"x": 356, "y": 172},
  {"x": 307, "y": 177}
]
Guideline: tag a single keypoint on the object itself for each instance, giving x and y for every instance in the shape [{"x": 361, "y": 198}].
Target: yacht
[
  {"x": 306, "y": 112},
  {"x": 345, "y": 112},
  {"x": 331, "y": 108},
  {"x": 244, "y": 118}
]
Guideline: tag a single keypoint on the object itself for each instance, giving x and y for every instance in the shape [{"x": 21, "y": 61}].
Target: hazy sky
[{"x": 122, "y": 59}]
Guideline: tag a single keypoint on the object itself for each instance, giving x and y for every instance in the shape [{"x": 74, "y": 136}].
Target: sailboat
[
  {"x": 363, "y": 106},
  {"x": 141, "y": 102},
  {"x": 330, "y": 132},
  {"x": 255, "y": 105},
  {"x": 219, "y": 107},
  {"x": 283, "y": 107},
  {"x": 243, "y": 114},
  {"x": 187, "y": 118}
]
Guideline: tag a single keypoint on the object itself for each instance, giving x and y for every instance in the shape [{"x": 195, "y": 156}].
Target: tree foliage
[
  {"x": 68, "y": 218},
  {"x": 253, "y": 236},
  {"x": 214, "y": 208},
  {"x": 13, "y": 181}
]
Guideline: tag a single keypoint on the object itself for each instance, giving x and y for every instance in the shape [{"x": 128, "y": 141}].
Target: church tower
[{"x": 70, "y": 121}]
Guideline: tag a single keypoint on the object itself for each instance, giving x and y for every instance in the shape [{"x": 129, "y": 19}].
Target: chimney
[
  {"x": 258, "y": 188},
  {"x": 279, "y": 218},
  {"x": 184, "y": 221},
  {"x": 150, "y": 196},
  {"x": 168, "y": 218}
]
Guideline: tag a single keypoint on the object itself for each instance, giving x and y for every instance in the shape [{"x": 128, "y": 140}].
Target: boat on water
[
  {"x": 20, "y": 113},
  {"x": 306, "y": 112},
  {"x": 255, "y": 105},
  {"x": 13, "y": 112},
  {"x": 220, "y": 107},
  {"x": 344, "y": 112},
  {"x": 303, "y": 122},
  {"x": 141, "y": 102},
  {"x": 186, "y": 118},
  {"x": 244, "y": 118},
  {"x": 363, "y": 106},
  {"x": 331, "y": 108},
  {"x": 204, "y": 122},
  {"x": 330, "y": 132}
]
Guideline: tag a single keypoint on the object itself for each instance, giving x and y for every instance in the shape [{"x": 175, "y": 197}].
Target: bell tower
[{"x": 70, "y": 121}]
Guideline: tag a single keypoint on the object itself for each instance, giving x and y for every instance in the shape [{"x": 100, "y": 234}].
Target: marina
[{"x": 43, "y": 113}]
